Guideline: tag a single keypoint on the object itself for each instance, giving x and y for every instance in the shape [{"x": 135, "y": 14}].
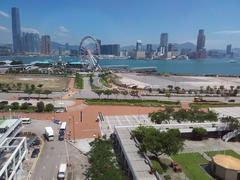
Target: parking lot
[{"x": 54, "y": 153}]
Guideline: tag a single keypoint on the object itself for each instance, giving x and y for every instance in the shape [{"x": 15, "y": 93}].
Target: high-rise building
[
  {"x": 201, "y": 51},
  {"x": 164, "y": 44},
  {"x": 139, "y": 45},
  {"x": 149, "y": 48},
  {"x": 229, "y": 49},
  {"x": 30, "y": 42},
  {"x": 201, "y": 40},
  {"x": 99, "y": 42},
  {"x": 45, "y": 45},
  {"x": 66, "y": 46},
  {"x": 110, "y": 49},
  {"x": 16, "y": 30}
]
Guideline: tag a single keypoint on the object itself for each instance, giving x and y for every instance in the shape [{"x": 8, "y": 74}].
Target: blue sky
[{"x": 125, "y": 21}]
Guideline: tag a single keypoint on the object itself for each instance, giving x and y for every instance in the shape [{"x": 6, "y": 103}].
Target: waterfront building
[
  {"x": 45, "y": 45},
  {"x": 139, "y": 45},
  {"x": 99, "y": 42},
  {"x": 5, "y": 51},
  {"x": 16, "y": 31},
  {"x": 164, "y": 44},
  {"x": 201, "y": 51},
  {"x": 30, "y": 42},
  {"x": 149, "y": 51},
  {"x": 66, "y": 46},
  {"x": 140, "y": 55},
  {"x": 74, "y": 52},
  {"x": 229, "y": 50},
  {"x": 110, "y": 49}
]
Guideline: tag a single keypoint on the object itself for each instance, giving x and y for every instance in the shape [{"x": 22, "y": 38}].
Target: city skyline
[{"x": 74, "y": 23}]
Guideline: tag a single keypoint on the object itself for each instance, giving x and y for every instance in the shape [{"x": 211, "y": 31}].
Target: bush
[
  {"x": 25, "y": 105},
  {"x": 40, "y": 106},
  {"x": 199, "y": 133},
  {"x": 15, "y": 105},
  {"x": 4, "y": 102},
  {"x": 2, "y": 106},
  {"x": 49, "y": 107}
]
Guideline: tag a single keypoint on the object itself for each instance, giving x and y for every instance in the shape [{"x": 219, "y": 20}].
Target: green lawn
[
  {"x": 226, "y": 152},
  {"x": 132, "y": 102},
  {"x": 213, "y": 104},
  {"x": 79, "y": 82},
  {"x": 190, "y": 163}
]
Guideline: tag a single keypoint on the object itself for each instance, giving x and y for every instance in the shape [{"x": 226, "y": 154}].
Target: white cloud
[
  {"x": 3, "y": 29},
  {"x": 4, "y": 14},
  {"x": 30, "y": 30},
  {"x": 228, "y": 32},
  {"x": 63, "y": 29}
]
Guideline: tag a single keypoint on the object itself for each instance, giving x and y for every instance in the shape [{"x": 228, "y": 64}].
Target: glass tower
[{"x": 16, "y": 30}]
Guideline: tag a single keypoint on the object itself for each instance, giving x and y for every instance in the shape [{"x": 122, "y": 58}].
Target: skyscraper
[
  {"x": 229, "y": 49},
  {"x": 110, "y": 49},
  {"x": 45, "y": 45},
  {"x": 149, "y": 48},
  {"x": 16, "y": 30},
  {"x": 164, "y": 44},
  {"x": 30, "y": 42},
  {"x": 201, "y": 51},
  {"x": 139, "y": 45},
  {"x": 201, "y": 40}
]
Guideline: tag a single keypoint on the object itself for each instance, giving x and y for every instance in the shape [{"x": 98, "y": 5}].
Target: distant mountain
[
  {"x": 186, "y": 45},
  {"x": 56, "y": 46}
]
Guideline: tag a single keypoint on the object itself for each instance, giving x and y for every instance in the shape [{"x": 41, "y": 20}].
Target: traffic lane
[{"x": 53, "y": 154}]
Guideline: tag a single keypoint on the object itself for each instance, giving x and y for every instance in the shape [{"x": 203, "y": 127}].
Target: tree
[
  {"x": 156, "y": 142},
  {"x": 103, "y": 164},
  {"x": 40, "y": 106},
  {"x": 15, "y": 105},
  {"x": 99, "y": 92},
  {"x": 233, "y": 123},
  {"x": 115, "y": 92},
  {"x": 181, "y": 115},
  {"x": 199, "y": 133},
  {"x": 49, "y": 107},
  {"x": 47, "y": 92},
  {"x": 19, "y": 86},
  {"x": 33, "y": 87},
  {"x": 25, "y": 105},
  {"x": 124, "y": 92},
  {"x": 159, "y": 117},
  {"x": 107, "y": 92}
]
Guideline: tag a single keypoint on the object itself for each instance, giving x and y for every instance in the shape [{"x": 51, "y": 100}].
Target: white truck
[{"x": 49, "y": 134}]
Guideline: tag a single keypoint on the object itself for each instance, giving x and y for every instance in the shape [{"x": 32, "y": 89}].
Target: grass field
[
  {"x": 79, "y": 84},
  {"x": 226, "y": 152},
  {"x": 51, "y": 83},
  {"x": 190, "y": 163},
  {"x": 213, "y": 104},
  {"x": 132, "y": 102}
]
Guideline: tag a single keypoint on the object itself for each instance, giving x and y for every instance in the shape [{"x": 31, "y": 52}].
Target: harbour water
[{"x": 223, "y": 66}]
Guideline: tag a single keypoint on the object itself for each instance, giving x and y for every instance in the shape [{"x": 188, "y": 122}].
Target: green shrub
[
  {"x": 15, "y": 105},
  {"x": 199, "y": 133},
  {"x": 40, "y": 106},
  {"x": 49, "y": 107},
  {"x": 25, "y": 105}
]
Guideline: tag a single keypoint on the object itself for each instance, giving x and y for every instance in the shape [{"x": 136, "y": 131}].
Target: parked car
[
  {"x": 231, "y": 100},
  {"x": 35, "y": 153},
  {"x": 56, "y": 121}
]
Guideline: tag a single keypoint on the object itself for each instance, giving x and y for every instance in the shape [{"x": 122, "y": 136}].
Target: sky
[{"x": 126, "y": 21}]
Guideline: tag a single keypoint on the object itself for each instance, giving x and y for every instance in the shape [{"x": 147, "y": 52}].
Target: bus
[{"x": 26, "y": 120}]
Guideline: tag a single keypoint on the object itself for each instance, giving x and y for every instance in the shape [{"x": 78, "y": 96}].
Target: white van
[
  {"x": 62, "y": 171},
  {"x": 26, "y": 120},
  {"x": 49, "y": 133}
]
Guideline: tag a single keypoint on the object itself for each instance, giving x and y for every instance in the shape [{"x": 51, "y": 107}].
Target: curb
[
  {"x": 36, "y": 160},
  {"x": 76, "y": 147}
]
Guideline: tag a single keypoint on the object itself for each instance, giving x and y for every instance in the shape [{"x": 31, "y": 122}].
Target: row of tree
[
  {"x": 15, "y": 106},
  {"x": 115, "y": 92},
  {"x": 182, "y": 115},
  {"x": 103, "y": 164}
]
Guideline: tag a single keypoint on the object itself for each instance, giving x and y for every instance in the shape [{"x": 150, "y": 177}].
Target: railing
[{"x": 231, "y": 135}]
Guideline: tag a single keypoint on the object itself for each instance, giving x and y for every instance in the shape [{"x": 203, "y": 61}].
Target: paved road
[
  {"x": 90, "y": 95},
  {"x": 54, "y": 153}
]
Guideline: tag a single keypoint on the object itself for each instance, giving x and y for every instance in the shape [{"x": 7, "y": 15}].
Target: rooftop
[{"x": 227, "y": 162}]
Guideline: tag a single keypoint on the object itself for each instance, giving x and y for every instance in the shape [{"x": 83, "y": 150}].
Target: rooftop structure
[
  {"x": 108, "y": 123},
  {"x": 9, "y": 128},
  {"x": 135, "y": 163},
  {"x": 226, "y": 167},
  {"x": 227, "y": 111},
  {"x": 12, "y": 152}
]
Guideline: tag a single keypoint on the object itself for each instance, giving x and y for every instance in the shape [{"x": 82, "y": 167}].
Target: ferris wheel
[{"x": 89, "y": 52}]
